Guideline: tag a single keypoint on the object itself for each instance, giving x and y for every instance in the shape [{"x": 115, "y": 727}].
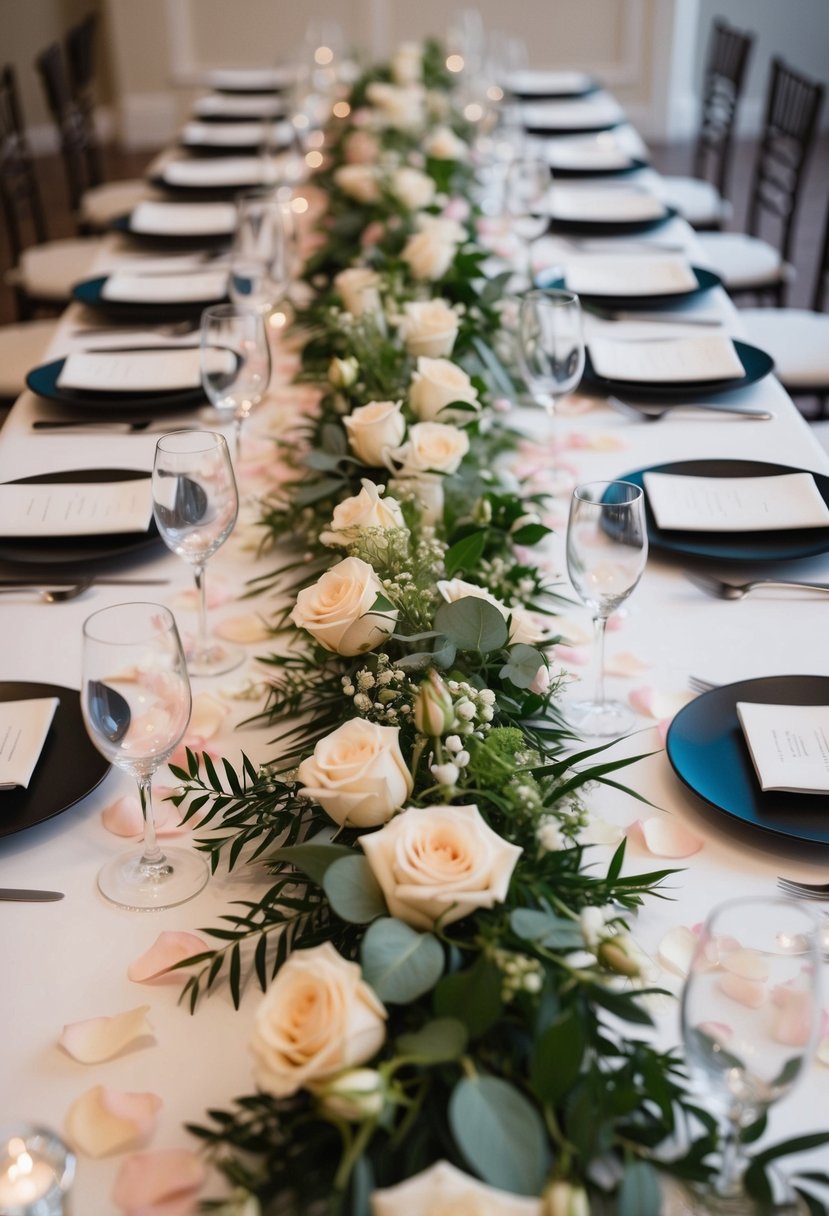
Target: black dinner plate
[
  {"x": 89, "y": 292},
  {"x": 632, "y": 166},
  {"x": 706, "y": 279},
  {"x": 69, "y": 766},
  {"x": 171, "y": 240},
  {"x": 552, "y": 94},
  {"x": 43, "y": 380},
  {"x": 709, "y": 754},
  {"x": 587, "y": 227},
  {"x": 734, "y": 546},
  {"x": 756, "y": 364},
  {"x": 208, "y": 194},
  {"x": 607, "y": 124},
  {"x": 62, "y": 551}
]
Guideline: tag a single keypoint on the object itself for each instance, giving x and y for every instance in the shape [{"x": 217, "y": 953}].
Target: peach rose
[
  {"x": 432, "y": 447},
  {"x": 358, "y": 288},
  {"x": 358, "y": 182},
  {"x": 357, "y": 774},
  {"x": 336, "y": 609},
  {"x": 435, "y": 385},
  {"x": 364, "y": 510},
  {"x": 374, "y": 429}
]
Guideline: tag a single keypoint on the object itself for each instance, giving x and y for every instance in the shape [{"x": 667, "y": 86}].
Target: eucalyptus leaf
[
  {"x": 472, "y": 624},
  {"x": 465, "y": 553},
  {"x": 500, "y": 1134},
  {"x": 312, "y": 491},
  {"x": 472, "y": 996},
  {"x": 557, "y": 1060},
  {"x": 438, "y": 1042},
  {"x": 640, "y": 1193},
  {"x": 523, "y": 665},
  {"x": 399, "y": 963},
  {"x": 313, "y": 859},
  {"x": 547, "y": 930},
  {"x": 353, "y": 891}
]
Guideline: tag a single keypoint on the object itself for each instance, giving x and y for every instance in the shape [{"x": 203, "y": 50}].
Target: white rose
[
  {"x": 428, "y": 255},
  {"x": 439, "y": 863},
  {"x": 317, "y": 1018},
  {"x": 407, "y": 63},
  {"x": 443, "y": 1190},
  {"x": 358, "y": 182},
  {"x": 443, "y": 226},
  {"x": 435, "y": 385},
  {"x": 414, "y": 189},
  {"x": 429, "y": 327},
  {"x": 432, "y": 447},
  {"x": 522, "y": 626},
  {"x": 374, "y": 429},
  {"x": 444, "y": 144},
  {"x": 357, "y": 774},
  {"x": 336, "y": 609},
  {"x": 426, "y": 489},
  {"x": 364, "y": 510},
  {"x": 358, "y": 288},
  {"x": 396, "y": 105},
  {"x": 361, "y": 148},
  {"x": 355, "y": 1095}
]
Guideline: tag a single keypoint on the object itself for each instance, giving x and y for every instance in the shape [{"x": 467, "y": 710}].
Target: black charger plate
[
  {"x": 709, "y": 754},
  {"x": 633, "y": 166},
  {"x": 69, "y": 766},
  {"x": 601, "y": 228},
  {"x": 734, "y": 546},
  {"x": 706, "y": 279},
  {"x": 171, "y": 240},
  {"x": 756, "y": 364},
  {"x": 90, "y": 293},
  {"x": 552, "y": 94},
  {"x": 593, "y": 129},
  {"x": 43, "y": 380}
]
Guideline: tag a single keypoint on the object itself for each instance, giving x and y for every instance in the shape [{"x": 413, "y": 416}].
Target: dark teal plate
[
  {"x": 610, "y": 227},
  {"x": 734, "y": 546},
  {"x": 706, "y": 279},
  {"x": 593, "y": 129},
  {"x": 708, "y": 752},
  {"x": 89, "y": 292},
  {"x": 43, "y": 380},
  {"x": 633, "y": 166},
  {"x": 756, "y": 364},
  {"x": 169, "y": 240}
]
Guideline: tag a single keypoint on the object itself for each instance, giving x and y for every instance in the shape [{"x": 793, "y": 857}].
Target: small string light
[
  {"x": 313, "y": 159},
  {"x": 341, "y": 109},
  {"x": 473, "y": 112},
  {"x": 323, "y": 55},
  {"x": 454, "y": 63}
]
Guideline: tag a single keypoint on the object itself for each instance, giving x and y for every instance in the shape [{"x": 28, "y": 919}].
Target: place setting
[
  {"x": 204, "y": 138},
  {"x": 631, "y": 281},
  {"x": 528, "y": 84},
  {"x": 593, "y": 114},
  {"x": 242, "y": 107},
  {"x": 605, "y": 211},
  {"x": 153, "y": 296},
  {"x": 597, "y": 156},
  {"x": 214, "y": 177},
  {"x": 179, "y": 225}
]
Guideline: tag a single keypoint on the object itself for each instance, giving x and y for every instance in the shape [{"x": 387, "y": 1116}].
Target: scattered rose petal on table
[
  {"x": 676, "y": 950},
  {"x": 625, "y": 664},
  {"x": 595, "y": 441},
  {"x": 667, "y": 837},
  {"x": 196, "y": 743},
  {"x": 187, "y": 600},
  {"x": 793, "y": 1016},
  {"x": 749, "y": 964},
  {"x": 104, "y": 1121},
  {"x": 169, "y": 948},
  {"x": 616, "y": 620},
  {"x": 146, "y": 1180},
  {"x": 123, "y": 817},
  {"x": 573, "y": 632},
  {"x": 97, "y": 1039},
  {"x": 720, "y": 1031},
  {"x": 655, "y": 704},
  {"x": 575, "y": 404},
  {"x": 576, "y": 656},
  {"x": 751, "y": 993},
  {"x": 600, "y": 831},
  {"x": 207, "y": 716},
  {"x": 245, "y": 630}
]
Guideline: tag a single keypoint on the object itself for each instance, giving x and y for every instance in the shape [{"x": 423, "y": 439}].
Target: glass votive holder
[{"x": 36, "y": 1171}]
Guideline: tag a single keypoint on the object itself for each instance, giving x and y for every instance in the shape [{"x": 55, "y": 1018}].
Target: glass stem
[
  {"x": 200, "y": 573},
  {"x": 599, "y": 628},
  {"x": 729, "y": 1178},
  {"x": 152, "y": 854},
  {"x": 237, "y": 434}
]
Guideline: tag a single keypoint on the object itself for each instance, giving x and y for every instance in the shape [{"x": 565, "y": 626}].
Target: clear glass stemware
[
  {"x": 135, "y": 700},
  {"x": 550, "y": 346},
  {"x": 607, "y": 548},
  {"x": 750, "y": 1016},
  {"x": 527, "y": 186},
  {"x": 262, "y": 253},
  {"x": 195, "y": 504},
  {"x": 235, "y": 361}
]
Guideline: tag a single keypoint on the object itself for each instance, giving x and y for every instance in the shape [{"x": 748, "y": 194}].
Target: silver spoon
[{"x": 52, "y": 595}]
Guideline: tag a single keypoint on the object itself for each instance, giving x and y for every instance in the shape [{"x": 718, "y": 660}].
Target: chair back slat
[
  {"x": 20, "y": 198},
  {"x": 822, "y": 277},
  {"x": 726, "y": 62},
  {"x": 78, "y": 141}
]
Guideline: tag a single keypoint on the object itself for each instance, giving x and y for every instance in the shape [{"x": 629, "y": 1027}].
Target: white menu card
[
  {"x": 217, "y": 171},
  {"x": 604, "y": 204},
  {"x": 165, "y": 288},
  {"x": 183, "y": 219},
  {"x": 76, "y": 509},
  {"x": 138, "y": 371},
  {"x": 544, "y": 80},
  {"x": 600, "y": 152},
  {"x": 736, "y": 504},
  {"x": 24, "y": 726},
  {"x": 572, "y": 115},
  {"x": 630, "y": 275},
  {"x": 667, "y": 360},
  {"x": 252, "y": 105},
  {"x": 789, "y": 745}
]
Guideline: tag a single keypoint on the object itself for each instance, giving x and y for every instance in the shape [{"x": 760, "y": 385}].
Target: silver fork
[
  {"x": 648, "y": 412},
  {"x": 698, "y": 685},
  {"x": 735, "y": 591},
  {"x": 804, "y": 890}
]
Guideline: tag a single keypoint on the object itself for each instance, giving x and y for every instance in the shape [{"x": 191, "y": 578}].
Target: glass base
[
  {"x": 214, "y": 661},
  {"x": 601, "y": 720},
  {"x": 128, "y": 882}
]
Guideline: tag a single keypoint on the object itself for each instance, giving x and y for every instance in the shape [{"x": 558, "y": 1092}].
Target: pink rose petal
[
  {"x": 676, "y": 950},
  {"x": 188, "y": 599},
  {"x": 751, "y": 993},
  {"x": 616, "y": 621},
  {"x": 573, "y": 632},
  {"x": 656, "y": 704},
  {"x": 169, "y": 948},
  {"x": 243, "y": 629},
  {"x": 196, "y": 743},
  {"x": 625, "y": 664},
  {"x": 207, "y": 716},
  {"x": 575, "y": 656},
  {"x": 599, "y": 831},
  {"x": 106, "y": 1121},
  {"x": 662, "y": 730},
  {"x": 123, "y": 817},
  {"x": 97, "y": 1039},
  {"x": 793, "y": 1016},
  {"x": 149, "y": 1179},
  {"x": 746, "y": 963},
  {"x": 823, "y": 1052},
  {"x": 720, "y": 1031},
  {"x": 666, "y": 837}
]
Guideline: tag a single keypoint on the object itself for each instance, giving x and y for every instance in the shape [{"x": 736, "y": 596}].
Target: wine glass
[
  {"x": 262, "y": 253},
  {"x": 525, "y": 194},
  {"x": 135, "y": 700},
  {"x": 235, "y": 361},
  {"x": 195, "y": 504},
  {"x": 750, "y": 1014},
  {"x": 607, "y": 547},
  {"x": 550, "y": 345}
]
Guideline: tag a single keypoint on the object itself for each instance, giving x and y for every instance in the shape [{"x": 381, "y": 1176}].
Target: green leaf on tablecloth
[
  {"x": 557, "y": 1060},
  {"x": 523, "y": 665},
  {"x": 313, "y": 859},
  {"x": 472, "y": 624},
  {"x": 472, "y": 996},
  {"x": 400, "y": 963},
  {"x": 640, "y": 1193},
  {"x": 500, "y": 1134},
  {"x": 353, "y": 891},
  {"x": 438, "y": 1042}
]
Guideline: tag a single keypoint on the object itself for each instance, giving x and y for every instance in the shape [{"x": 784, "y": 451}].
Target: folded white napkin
[
  {"x": 24, "y": 726},
  {"x": 165, "y": 289},
  {"x": 736, "y": 504},
  {"x": 604, "y": 204},
  {"x": 629, "y": 275},
  {"x": 77, "y": 509},
  {"x": 667, "y": 360},
  {"x": 183, "y": 219},
  {"x": 250, "y": 78},
  {"x": 572, "y": 115},
  {"x": 789, "y": 745},
  {"x": 586, "y": 152},
  {"x": 254, "y": 105},
  {"x": 235, "y": 134},
  {"x": 547, "y": 81},
  {"x": 223, "y": 171}
]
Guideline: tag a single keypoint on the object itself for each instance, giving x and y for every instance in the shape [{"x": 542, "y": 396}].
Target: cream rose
[
  {"x": 364, "y": 510},
  {"x": 444, "y": 144},
  {"x": 358, "y": 288},
  {"x": 522, "y": 626},
  {"x": 439, "y": 863},
  {"x": 317, "y": 1018},
  {"x": 436, "y": 384},
  {"x": 361, "y": 148},
  {"x": 336, "y": 609},
  {"x": 428, "y": 255},
  {"x": 429, "y": 327},
  {"x": 358, "y": 182},
  {"x": 432, "y": 447},
  {"x": 426, "y": 490},
  {"x": 407, "y": 63},
  {"x": 374, "y": 429},
  {"x": 414, "y": 189},
  {"x": 397, "y": 105},
  {"x": 443, "y": 1190},
  {"x": 357, "y": 774}
]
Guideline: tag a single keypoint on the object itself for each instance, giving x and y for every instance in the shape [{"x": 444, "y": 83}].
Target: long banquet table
[{"x": 67, "y": 961}]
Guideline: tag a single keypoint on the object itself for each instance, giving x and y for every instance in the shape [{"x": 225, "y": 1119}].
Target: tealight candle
[{"x": 36, "y": 1171}]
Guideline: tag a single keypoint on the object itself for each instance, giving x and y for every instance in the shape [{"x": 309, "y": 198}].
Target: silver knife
[{"x": 29, "y": 896}]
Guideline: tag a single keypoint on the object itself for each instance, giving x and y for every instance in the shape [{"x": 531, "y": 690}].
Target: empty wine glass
[
  {"x": 262, "y": 252},
  {"x": 135, "y": 700},
  {"x": 750, "y": 1015},
  {"x": 607, "y": 547},
  {"x": 235, "y": 361},
  {"x": 550, "y": 345},
  {"x": 525, "y": 201},
  {"x": 195, "y": 504}
]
